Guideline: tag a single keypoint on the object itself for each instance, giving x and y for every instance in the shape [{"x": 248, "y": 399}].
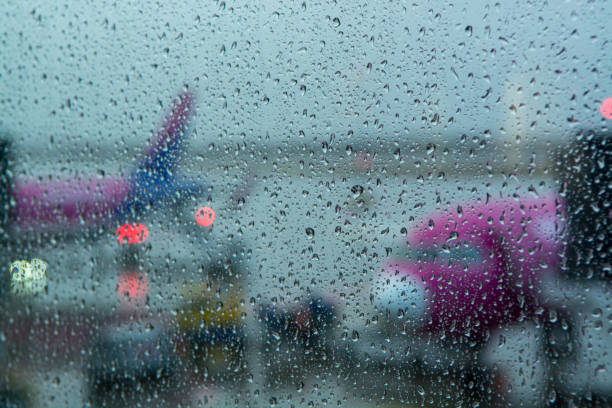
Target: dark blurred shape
[
  {"x": 587, "y": 175},
  {"x": 130, "y": 358},
  {"x": 4, "y": 187},
  {"x": 133, "y": 355},
  {"x": 5, "y": 194},
  {"x": 13, "y": 398},
  {"x": 308, "y": 323},
  {"x": 297, "y": 338}
]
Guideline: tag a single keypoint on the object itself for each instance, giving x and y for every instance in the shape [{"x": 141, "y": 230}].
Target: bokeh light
[
  {"x": 132, "y": 234},
  {"x": 28, "y": 278},
  {"x": 606, "y": 108},
  {"x": 132, "y": 286},
  {"x": 205, "y": 216},
  {"x": 363, "y": 161}
]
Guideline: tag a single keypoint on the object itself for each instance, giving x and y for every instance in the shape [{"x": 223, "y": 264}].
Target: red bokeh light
[
  {"x": 606, "y": 108},
  {"x": 132, "y": 286},
  {"x": 363, "y": 161},
  {"x": 132, "y": 234},
  {"x": 205, "y": 216}
]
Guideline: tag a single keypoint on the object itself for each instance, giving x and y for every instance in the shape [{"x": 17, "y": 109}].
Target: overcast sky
[{"x": 97, "y": 74}]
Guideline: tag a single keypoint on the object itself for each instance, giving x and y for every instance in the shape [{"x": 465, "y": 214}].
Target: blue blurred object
[{"x": 155, "y": 180}]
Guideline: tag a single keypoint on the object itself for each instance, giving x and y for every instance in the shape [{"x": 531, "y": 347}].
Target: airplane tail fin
[
  {"x": 155, "y": 177},
  {"x": 161, "y": 155}
]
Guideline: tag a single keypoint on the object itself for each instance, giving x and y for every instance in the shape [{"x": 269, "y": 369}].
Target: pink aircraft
[{"x": 475, "y": 267}]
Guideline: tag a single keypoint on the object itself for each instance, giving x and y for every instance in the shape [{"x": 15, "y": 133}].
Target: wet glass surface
[{"x": 305, "y": 204}]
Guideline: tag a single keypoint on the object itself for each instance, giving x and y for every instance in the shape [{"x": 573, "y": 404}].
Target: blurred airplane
[
  {"x": 471, "y": 269},
  {"x": 523, "y": 282},
  {"x": 78, "y": 204}
]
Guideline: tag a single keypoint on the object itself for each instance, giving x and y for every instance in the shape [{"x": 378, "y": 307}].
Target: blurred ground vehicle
[
  {"x": 130, "y": 358},
  {"x": 211, "y": 321},
  {"x": 297, "y": 335},
  {"x": 305, "y": 323}
]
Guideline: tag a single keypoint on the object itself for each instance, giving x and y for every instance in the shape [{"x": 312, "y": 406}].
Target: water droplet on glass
[{"x": 310, "y": 232}]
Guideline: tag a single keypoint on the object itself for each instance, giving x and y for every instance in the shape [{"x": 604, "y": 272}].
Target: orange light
[
  {"x": 205, "y": 216},
  {"x": 606, "y": 108},
  {"x": 132, "y": 234}
]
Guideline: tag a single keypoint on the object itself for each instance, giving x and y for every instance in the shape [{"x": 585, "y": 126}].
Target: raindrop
[
  {"x": 552, "y": 317},
  {"x": 310, "y": 232}
]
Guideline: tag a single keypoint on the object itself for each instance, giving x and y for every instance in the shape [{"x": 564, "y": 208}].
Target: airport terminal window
[{"x": 308, "y": 203}]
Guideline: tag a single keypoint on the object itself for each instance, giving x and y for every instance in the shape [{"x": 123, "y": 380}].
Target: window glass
[
  {"x": 460, "y": 253},
  {"x": 305, "y": 203}
]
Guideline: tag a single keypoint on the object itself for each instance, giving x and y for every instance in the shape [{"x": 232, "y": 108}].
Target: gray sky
[{"x": 98, "y": 75}]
